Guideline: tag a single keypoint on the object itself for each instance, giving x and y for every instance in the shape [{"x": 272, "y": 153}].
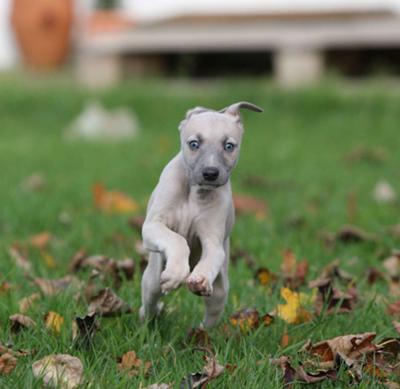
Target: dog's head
[{"x": 210, "y": 142}]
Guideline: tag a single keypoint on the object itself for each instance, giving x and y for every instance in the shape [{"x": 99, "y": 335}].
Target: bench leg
[
  {"x": 298, "y": 66},
  {"x": 98, "y": 71}
]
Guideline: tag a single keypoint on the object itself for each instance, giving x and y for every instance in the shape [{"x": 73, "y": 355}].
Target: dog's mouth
[{"x": 209, "y": 185}]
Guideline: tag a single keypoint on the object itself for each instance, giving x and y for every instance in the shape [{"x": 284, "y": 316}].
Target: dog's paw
[
  {"x": 172, "y": 279},
  {"x": 199, "y": 285}
]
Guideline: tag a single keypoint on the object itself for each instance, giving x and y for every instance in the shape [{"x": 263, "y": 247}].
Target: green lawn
[{"x": 299, "y": 145}]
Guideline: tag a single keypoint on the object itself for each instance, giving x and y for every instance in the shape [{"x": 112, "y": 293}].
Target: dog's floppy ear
[
  {"x": 234, "y": 109},
  {"x": 193, "y": 111}
]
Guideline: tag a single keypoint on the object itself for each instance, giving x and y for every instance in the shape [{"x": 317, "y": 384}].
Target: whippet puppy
[{"x": 190, "y": 213}]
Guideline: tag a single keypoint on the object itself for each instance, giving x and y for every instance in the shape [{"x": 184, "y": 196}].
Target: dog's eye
[
  {"x": 229, "y": 146},
  {"x": 194, "y": 144}
]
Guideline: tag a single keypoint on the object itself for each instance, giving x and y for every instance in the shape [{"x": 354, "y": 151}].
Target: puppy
[{"x": 190, "y": 213}]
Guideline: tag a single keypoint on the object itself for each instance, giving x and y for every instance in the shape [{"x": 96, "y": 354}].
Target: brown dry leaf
[
  {"x": 249, "y": 319},
  {"x": 264, "y": 276},
  {"x": 353, "y": 234},
  {"x": 392, "y": 264},
  {"x": 239, "y": 253},
  {"x": 5, "y": 287},
  {"x": 374, "y": 275},
  {"x": 107, "y": 303},
  {"x": 53, "y": 287},
  {"x": 19, "y": 322},
  {"x": 285, "y": 340},
  {"x": 332, "y": 299},
  {"x": 20, "y": 258},
  {"x": 113, "y": 202},
  {"x": 393, "y": 309},
  {"x": 130, "y": 364},
  {"x": 198, "y": 337},
  {"x": 349, "y": 347},
  {"x": 60, "y": 370},
  {"x": 7, "y": 363},
  {"x": 396, "y": 325},
  {"x": 34, "y": 183},
  {"x": 294, "y": 272},
  {"x": 84, "y": 329},
  {"x": 210, "y": 371},
  {"x": 106, "y": 267},
  {"x": 27, "y": 302},
  {"x": 41, "y": 240},
  {"x": 292, "y": 375},
  {"x": 367, "y": 154},
  {"x": 54, "y": 321},
  {"x": 245, "y": 205}
]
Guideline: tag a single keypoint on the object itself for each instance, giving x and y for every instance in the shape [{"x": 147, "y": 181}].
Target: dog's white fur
[{"x": 189, "y": 218}]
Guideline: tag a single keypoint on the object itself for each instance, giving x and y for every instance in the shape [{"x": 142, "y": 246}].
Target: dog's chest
[{"x": 184, "y": 219}]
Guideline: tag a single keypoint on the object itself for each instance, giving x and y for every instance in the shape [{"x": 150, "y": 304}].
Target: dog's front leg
[
  {"x": 206, "y": 271},
  {"x": 175, "y": 250}
]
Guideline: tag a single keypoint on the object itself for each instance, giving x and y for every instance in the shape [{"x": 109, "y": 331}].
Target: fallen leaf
[
  {"x": 245, "y": 205},
  {"x": 239, "y": 253},
  {"x": 130, "y": 364},
  {"x": 53, "y": 287},
  {"x": 392, "y": 264},
  {"x": 265, "y": 276},
  {"x": 210, "y": 371},
  {"x": 19, "y": 322},
  {"x": 158, "y": 386},
  {"x": 7, "y": 363},
  {"x": 27, "y": 302},
  {"x": 20, "y": 258},
  {"x": 59, "y": 370},
  {"x": 394, "y": 308},
  {"x": 41, "y": 240},
  {"x": 396, "y": 325},
  {"x": 374, "y": 275},
  {"x": 293, "y": 375},
  {"x": 294, "y": 272},
  {"x": 199, "y": 337},
  {"x": 367, "y": 154},
  {"x": 84, "y": 329},
  {"x": 54, "y": 321},
  {"x": 293, "y": 312},
  {"x": 384, "y": 192},
  {"x": 285, "y": 339},
  {"x": 249, "y": 319},
  {"x": 5, "y": 287},
  {"x": 34, "y": 183},
  {"x": 353, "y": 234},
  {"x": 107, "y": 303},
  {"x": 113, "y": 202}
]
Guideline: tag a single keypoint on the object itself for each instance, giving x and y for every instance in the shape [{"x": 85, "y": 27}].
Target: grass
[{"x": 298, "y": 145}]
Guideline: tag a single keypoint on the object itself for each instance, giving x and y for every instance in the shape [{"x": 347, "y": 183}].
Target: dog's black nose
[{"x": 210, "y": 173}]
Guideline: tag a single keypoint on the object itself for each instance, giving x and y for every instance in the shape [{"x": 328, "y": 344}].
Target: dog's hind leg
[
  {"x": 151, "y": 289},
  {"x": 215, "y": 303}
]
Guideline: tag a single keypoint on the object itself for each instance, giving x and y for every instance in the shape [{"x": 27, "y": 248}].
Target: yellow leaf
[
  {"x": 293, "y": 312},
  {"x": 113, "y": 201},
  {"x": 54, "y": 321}
]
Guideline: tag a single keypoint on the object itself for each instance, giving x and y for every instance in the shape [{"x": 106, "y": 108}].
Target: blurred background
[{"x": 293, "y": 41}]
